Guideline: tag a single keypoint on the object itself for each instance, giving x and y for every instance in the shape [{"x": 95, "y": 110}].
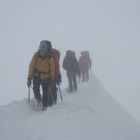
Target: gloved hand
[
  {"x": 58, "y": 79},
  {"x": 29, "y": 82}
]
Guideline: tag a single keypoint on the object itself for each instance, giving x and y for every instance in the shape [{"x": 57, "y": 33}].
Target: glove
[
  {"x": 58, "y": 79},
  {"x": 29, "y": 81}
]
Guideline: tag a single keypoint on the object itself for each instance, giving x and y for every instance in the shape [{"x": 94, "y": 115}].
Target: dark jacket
[{"x": 70, "y": 63}]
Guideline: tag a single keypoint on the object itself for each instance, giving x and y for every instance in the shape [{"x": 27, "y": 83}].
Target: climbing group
[{"x": 44, "y": 71}]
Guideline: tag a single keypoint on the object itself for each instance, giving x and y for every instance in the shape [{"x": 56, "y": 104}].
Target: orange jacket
[{"x": 45, "y": 66}]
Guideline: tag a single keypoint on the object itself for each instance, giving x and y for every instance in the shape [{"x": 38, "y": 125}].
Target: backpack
[
  {"x": 56, "y": 54},
  {"x": 70, "y": 62},
  {"x": 52, "y": 90},
  {"x": 85, "y": 61},
  {"x": 70, "y": 54},
  {"x": 85, "y": 53}
]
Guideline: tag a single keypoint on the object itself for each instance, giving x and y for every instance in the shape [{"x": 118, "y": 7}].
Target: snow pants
[
  {"x": 85, "y": 75},
  {"x": 37, "y": 83},
  {"x": 52, "y": 94},
  {"x": 72, "y": 81}
]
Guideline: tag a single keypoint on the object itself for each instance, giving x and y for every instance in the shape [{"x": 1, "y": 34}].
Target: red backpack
[
  {"x": 85, "y": 60},
  {"x": 56, "y": 60}
]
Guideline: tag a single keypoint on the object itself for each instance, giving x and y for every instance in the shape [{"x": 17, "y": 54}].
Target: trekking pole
[
  {"x": 28, "y": 94},
  {"x": 60, "y": 93}
]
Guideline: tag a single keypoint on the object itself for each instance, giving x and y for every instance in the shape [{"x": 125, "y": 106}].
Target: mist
[{"x": 108, "y": 29}]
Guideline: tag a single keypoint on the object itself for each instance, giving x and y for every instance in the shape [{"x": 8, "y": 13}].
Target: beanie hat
[{"x": 45, "y": 44}]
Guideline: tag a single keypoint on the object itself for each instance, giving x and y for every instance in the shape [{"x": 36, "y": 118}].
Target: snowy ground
[{"x": 89, "y": 114}]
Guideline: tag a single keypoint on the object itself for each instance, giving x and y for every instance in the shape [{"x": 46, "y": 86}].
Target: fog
[{"x": 108, "y": 29}]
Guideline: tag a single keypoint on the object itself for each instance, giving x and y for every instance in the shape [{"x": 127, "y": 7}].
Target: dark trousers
[
  {"x": 72, "y": 81},
  {"x": 52, "y": 93},
  {"x": 36, "y": 89}
]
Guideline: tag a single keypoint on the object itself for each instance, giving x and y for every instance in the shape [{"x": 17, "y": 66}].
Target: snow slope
[{"x": 89, "y": 114}]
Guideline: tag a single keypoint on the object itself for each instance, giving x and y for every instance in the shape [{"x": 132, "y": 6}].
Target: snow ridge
[{"x": 91, "y": 113}]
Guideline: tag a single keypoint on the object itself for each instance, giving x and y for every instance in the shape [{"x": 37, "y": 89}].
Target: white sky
[{"x": 109, "y": 29}]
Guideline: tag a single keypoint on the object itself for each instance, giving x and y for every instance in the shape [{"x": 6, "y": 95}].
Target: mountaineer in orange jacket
[{"x": 42, "y": 72}]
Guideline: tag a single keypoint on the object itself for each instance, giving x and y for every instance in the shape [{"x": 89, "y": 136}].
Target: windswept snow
[{"x": 89, "y": 114}]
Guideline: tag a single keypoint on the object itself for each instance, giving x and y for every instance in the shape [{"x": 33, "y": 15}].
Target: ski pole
[
  {"x": 60, "y": 93},
  {"x": 28, "y": 94}
]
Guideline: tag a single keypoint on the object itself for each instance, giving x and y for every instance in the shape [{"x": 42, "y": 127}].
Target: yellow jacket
[{"x": 44, "y": 66}]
